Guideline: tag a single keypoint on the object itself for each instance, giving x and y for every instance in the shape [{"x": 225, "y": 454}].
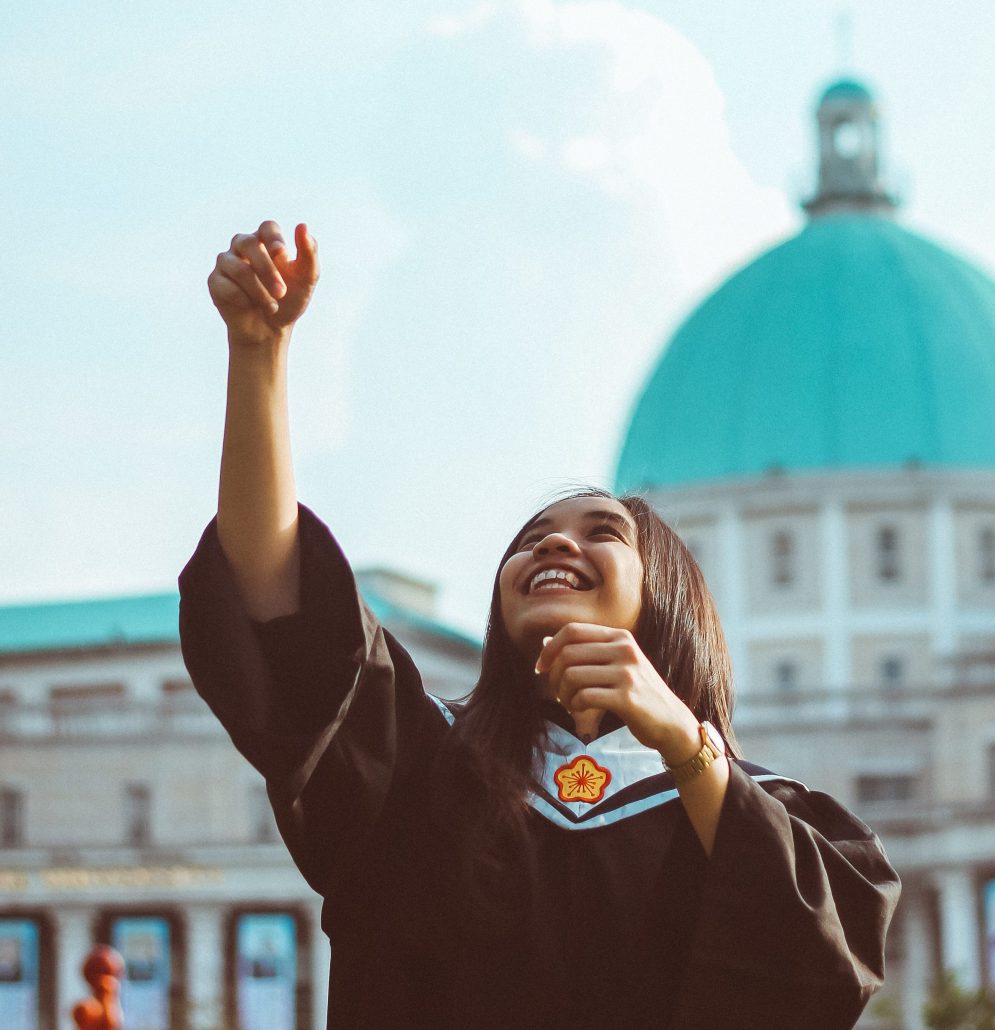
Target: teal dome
[{"x": 854, "y": 345}]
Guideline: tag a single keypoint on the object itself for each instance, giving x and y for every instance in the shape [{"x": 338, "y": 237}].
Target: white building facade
[
  {"x": 821, "y": 432},
  {"x": 127, "y": 817}
]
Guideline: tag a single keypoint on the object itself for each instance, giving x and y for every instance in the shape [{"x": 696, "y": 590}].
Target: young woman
[{"x": 577, "y": 847}]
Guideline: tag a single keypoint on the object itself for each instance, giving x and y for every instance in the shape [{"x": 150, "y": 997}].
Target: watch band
[{"x": 695, "y": 766}]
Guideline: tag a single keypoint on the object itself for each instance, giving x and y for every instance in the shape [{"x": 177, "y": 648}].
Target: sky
[{"x": 516, "y": 204}]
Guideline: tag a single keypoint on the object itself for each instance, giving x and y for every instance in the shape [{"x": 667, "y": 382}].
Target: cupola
[{"x": 849, "y": 153}]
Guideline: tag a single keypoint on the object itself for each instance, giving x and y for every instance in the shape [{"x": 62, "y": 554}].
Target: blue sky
[{"x": 515, "y": 202}]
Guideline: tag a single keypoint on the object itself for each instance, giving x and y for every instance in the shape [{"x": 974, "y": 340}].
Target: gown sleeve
[
  {"x": 794, "y": 912},
  {"x": 325, "y": 703}
]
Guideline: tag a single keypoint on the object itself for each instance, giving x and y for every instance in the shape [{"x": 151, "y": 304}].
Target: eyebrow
[{"x": 599, "y": 514}]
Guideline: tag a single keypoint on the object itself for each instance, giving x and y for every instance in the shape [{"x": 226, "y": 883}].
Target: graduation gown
[{"x": 607, "y": 912}]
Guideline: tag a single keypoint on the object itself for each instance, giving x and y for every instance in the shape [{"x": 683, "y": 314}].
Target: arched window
[
  {"x": 263, "y": 826},
  {"x": 11, "y": 816},
  {"x": 138, "y": 814},
  {"x": 892, "y": 671},
  {"x": 153, "y": 946},
  {"x": 782, "y": 558},
  {"x": 986, "y": 555},
  {"x": 268, "y": 979},
  {"x": 786, "y": 675},
  {"x": 888, "y": 559}
]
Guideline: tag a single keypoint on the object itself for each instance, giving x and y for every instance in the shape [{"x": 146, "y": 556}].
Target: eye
[
  {"x": 528, "y": 541},
  {"x": 607, "y": 530}
]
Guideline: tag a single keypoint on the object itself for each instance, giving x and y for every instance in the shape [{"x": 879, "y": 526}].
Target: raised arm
[{"x": 260, "y": 293}]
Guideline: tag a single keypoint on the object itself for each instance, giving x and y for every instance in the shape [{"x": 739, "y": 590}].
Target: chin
[{"x": 549, "y": 622}]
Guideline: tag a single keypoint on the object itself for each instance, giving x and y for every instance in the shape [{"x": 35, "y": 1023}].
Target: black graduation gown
[{"x": 607, "y": 915}]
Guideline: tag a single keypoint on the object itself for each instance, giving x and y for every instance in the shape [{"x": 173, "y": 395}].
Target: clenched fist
[{"x": 258, "y": 290}]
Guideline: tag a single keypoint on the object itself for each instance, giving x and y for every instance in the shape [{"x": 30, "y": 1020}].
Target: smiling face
[{"x": 577, "y": 561}]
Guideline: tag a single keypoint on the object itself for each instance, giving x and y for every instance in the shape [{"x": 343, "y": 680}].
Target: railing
[
  {"x": 185, "y": 714},
  {"x": 855, "y": 704},
  {"x": 123, "y": 718}
]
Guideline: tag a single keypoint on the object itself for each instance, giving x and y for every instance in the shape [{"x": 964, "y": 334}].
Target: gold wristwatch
[{"x": 712, "y": 747}]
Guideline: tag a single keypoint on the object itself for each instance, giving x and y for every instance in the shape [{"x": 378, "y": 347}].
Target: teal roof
[
  {"x": 146, "y": 619},
  {"x": 855, "y": 344},
  {"x": 846, "y": 89},
  {"x": 104, "y": 622}
]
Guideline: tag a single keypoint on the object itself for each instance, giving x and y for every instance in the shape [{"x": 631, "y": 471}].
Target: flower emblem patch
[{"x": 582, "y": 780}]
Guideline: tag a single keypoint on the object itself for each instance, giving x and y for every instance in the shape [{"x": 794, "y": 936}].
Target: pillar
[
  {"x": 205, "y": 966},
  {"x": 959, "y": 930},
  {"x": 917, "y": 969},
  {"x": 73, "y": 941}
]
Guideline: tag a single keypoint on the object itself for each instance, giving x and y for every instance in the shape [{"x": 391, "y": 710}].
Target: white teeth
[{"x": 551, "y": 575}]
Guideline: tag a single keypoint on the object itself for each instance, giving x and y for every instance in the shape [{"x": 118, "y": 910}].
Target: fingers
[
  {"x": 605, "y": 699},
  {"x": 590, "y": 666},
  {"x": 272, "y": 237},
  {"x": 577, "y": 633},
  {"x": 256, "y": 254},
  {"x": 234, "y": 271},
  {"x": 256, "y": 272},
  {"x": 306, "y": 268}
]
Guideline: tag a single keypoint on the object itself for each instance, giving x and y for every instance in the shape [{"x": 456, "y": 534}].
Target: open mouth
[{"x": 550, "y": 580}]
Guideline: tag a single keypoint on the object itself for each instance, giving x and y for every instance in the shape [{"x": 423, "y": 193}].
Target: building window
[
  {"x": 8, "y": 706},
  {"x": 888, "y": 564},
  {"x": 11, "y": 817},
  {"x": 270, "y": 958},
  {"x": 138, "y": 814},
  {"x": 782, "y": 558},
  {"x": 786, "y": 675},
  {"x": 21, "y": 985},
  {"x": 144, "y": 944},
  {"x": 986, "y": 555},
  {"x": 263, "y": 825},
  {"x": 892, "y": 671},
  {"x": 873, "y": 790},
  {"x": 92, "y": 708}
]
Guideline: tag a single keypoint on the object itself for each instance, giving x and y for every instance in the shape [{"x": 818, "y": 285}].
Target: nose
[{"x": 553, "y": 543}]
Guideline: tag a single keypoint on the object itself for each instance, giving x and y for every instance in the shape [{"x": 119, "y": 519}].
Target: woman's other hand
[
  {"x": 598, "y": 667},
  {"x": 256, "y": 287}
]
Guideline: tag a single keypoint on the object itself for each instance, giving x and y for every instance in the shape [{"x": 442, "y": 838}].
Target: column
[
  {"x": 319, "y": 968},
  {"x": 73, "y": 941},
  {"x": 205, "y": 966},
  {"x": 917, "y": 969},
  {"x": 942, "y": 576},
  {"x": 959, "y": 929},
  {"x": 834, "y": 572},
  {"x": 733, "y": 605}
]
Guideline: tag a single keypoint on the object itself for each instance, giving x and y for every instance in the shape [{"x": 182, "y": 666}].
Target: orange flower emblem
[{"x": 582, "y": 780}]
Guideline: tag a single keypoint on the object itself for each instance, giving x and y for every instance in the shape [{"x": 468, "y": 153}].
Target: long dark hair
[{"x": 678, "y": 630}]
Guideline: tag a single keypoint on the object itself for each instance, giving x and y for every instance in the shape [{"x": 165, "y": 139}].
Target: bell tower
[{"x": 849, "y": 175}]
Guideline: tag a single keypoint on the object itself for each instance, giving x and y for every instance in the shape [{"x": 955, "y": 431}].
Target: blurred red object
[{"x": 102, "y": 970}]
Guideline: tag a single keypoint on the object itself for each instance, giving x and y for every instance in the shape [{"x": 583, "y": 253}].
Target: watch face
[{"x": 715, "y": 738}]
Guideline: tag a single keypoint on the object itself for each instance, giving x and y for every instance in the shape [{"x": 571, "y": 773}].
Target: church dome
[{"x": 854, "y": 345}]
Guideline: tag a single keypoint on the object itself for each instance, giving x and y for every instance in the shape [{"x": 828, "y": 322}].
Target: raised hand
[
  {"x": 599, "y": 667},
  {"x": 256, "y": 287}
]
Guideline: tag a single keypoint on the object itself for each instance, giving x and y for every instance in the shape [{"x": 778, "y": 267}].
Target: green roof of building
[
  {"x": 101, "y": 622},
  {"x": 854, "y": 345},
  {"x": 146, "y": 619}
]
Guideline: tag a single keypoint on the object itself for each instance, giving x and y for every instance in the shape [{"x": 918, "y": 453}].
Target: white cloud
[
  {"x": 452, "y": 25},
  {"x": 657, "y": 135},
  {"x": 529, "y": 145}
]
